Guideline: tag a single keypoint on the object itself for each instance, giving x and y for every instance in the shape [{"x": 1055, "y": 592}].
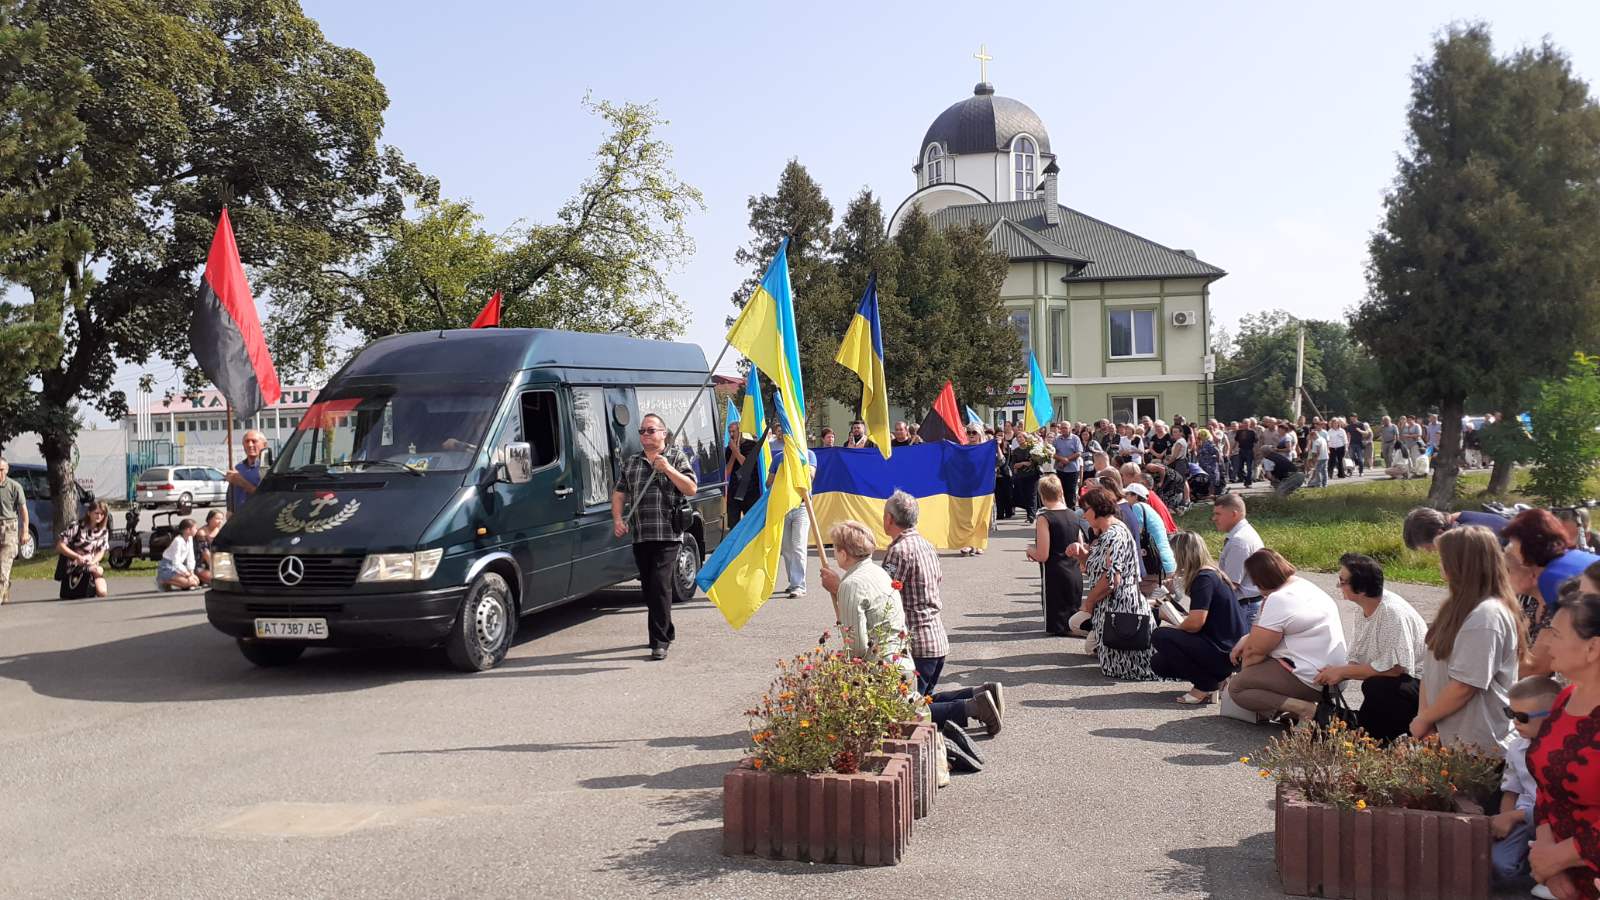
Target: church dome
[{"x": 985, "y": 123}]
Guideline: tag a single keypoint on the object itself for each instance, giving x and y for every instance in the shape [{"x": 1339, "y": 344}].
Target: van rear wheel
[
  {"x": 482, "y": 631},
  {"x": 685, "y": 568},
  {"x": 270, "y": 655}
]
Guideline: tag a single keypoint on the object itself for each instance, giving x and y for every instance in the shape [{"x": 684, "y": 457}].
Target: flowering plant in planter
[
  {"x": 826, "y": 710},
  {"x": 1344, "y": 767}
]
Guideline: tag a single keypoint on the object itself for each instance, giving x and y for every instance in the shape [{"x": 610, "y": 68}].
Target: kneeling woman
[
  {"x": 1197, "y": 650},
  {"x": 1056, "y": 529},
  {"x": 81, "y": 548},
  {"x": 1112, "y": 565},
  {"x": 1297, "y": 635}
]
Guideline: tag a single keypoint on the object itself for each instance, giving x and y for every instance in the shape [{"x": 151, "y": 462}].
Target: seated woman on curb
[
  {"x": 1386, "y": 654},
  {"x": 1197, "y": 650},
  {"x": 1296, "y": 636},
  {"x": 870, "y": 610}
]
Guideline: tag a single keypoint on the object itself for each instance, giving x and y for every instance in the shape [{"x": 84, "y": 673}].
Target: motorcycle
[{"x": 128, "y": 545}]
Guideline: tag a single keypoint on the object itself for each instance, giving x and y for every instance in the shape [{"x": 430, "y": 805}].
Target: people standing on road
[
  {"x": 655, "y": 480},
  {"x": 176, "y": 572},
  {"x": 1239, "y": 542},
  {"x": 1025, "y": 474},
  {"x": 1208, "y": 455},
  {"x": 1247, "y": 440},
  {"x": 81, "y": 548},
  {"x": 1386, "y": 654},
  {"x": 246, "y": 474},
  {"x": 1475, "y": 645},
  {"x": 1360, "y": 441},
  {"x": 796, "y": 522},
  {"x": 1388, "y": 440},
  {"x": 1411, "y": 438},
  {"x": 1069, "y": 451},
  {"x": 1297, "y": 635},
  {"x": 1316, "y": 464},
  {"x": 1004, "y": 503},
  {"x": 1111, "y": 565},
  {"x": 1061, "y": 582},
  {"x": 1338, "y": 441},
  {"x": 1197, "y": 650},
  {"x": 13, "y": 526},
  {"x": 741, "y": 471},
  {"x": 1564, "y": 758}
]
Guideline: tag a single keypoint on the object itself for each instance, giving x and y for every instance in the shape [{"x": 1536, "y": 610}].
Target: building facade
[{"x": 1118, "y": 323}]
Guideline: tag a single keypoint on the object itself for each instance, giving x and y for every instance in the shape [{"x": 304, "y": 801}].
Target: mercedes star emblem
[{"x": 291, "y": 570}]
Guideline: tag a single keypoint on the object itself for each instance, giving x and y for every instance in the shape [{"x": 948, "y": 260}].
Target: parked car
[
  {"x": 35, "y": 481},
  {"x": 180, "y": 486},
  {"x": 445, "y": 484}
]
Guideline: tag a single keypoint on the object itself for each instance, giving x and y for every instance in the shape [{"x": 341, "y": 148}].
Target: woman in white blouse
[
  {"x": 1297, "y": 635},
  {"x": 1387, "y": 653}
]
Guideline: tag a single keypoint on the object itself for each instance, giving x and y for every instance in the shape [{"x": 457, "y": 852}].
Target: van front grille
[
  {"x": 322, "y": 573},
  {"x": 293, "y": 609}
]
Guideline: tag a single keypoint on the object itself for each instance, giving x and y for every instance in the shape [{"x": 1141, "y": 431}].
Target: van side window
[
  {"x": 699, "y": 437},
  {"x": 541, "y": 426},
  {"x": 592, "y": 438}
]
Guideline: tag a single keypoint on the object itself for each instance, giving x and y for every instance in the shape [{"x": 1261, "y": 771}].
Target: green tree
[
  {"x": 171, "y": 110},
  {"x": 1350, "y": 380},
  {"x": 1485, "y": 269},
  {"x": 1255, "y": 374},
  {"x": 1566, "y": 430},
  {"x": 601, "y": 266}
]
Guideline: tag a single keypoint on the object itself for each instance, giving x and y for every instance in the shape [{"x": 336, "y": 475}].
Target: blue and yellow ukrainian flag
[
  {"x": 862, "y": 353},
  {"x": 740, "y": 575},
  {"x": 953, "y": 484},
  {"x": 1039, "y": 409}
]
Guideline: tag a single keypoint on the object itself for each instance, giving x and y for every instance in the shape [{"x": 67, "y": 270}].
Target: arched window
[
  {"x": 933, "y": 165},
  {"x": 1024, "y": 162}
]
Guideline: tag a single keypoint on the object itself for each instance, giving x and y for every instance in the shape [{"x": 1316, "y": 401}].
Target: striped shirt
[{"x": 912, "y": 561}]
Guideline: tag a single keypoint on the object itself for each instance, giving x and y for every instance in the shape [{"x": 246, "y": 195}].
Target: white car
[{"x": 180, "y": 486}]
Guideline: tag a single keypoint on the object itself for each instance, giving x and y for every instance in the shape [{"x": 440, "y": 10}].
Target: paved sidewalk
[{"x": 144, "y": 757}]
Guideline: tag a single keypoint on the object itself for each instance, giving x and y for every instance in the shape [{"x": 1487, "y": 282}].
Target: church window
[
  {"x": 933, "y": 164},
  {"x": 1024, "y": 160}
]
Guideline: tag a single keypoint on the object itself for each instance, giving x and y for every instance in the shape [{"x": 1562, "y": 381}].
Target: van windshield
[{"x": 426, "y": 428}]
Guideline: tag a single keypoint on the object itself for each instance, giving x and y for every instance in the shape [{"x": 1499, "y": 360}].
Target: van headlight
[
  {"x": 222, "y": 566},
  {"x": 418, "y": 566}
]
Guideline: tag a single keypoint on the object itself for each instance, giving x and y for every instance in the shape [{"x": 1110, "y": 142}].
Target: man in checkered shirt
[{"x": 654, "y": 481}]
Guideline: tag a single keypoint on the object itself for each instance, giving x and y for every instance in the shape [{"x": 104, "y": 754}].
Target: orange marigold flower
[
  {"x": 1264, "y": 773},
  {"x": 805, "y": 723},
  {"x": 833, "y": 737},
  {"x": 1361, "y": 804},
  {"x": 756, "y": 763}
]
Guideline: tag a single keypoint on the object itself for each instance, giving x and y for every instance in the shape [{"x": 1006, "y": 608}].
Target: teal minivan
[{"x": 445, "y": 484}]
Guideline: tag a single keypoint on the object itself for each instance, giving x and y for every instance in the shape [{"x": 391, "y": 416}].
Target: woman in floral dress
[{"x": 1111, "y": 565}]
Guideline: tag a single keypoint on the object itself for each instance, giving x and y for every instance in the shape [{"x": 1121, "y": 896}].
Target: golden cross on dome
[{"x": 983, "y": 58}]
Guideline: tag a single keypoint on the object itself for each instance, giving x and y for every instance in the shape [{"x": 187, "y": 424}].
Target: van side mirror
[{"x": 519, "y": 462}]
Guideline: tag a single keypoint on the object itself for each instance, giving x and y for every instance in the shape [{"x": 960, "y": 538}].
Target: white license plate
[{"x": 293, "y": 629}]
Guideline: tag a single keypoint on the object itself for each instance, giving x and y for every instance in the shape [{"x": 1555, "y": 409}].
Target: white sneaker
[
  {"x": 1542, "y": 892},
  {"x": 797, "y": 592}
]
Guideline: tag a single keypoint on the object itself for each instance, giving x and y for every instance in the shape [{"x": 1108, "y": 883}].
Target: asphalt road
[{"x": 141, "y": 756}]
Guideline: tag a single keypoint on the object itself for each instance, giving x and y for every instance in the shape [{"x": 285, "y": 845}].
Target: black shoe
[
  {"x": 963, "y": 756},
  {"x": 658, "y": 652}
]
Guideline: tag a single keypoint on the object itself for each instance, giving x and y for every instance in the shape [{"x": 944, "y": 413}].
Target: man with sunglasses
[{"x": 654, "y": 481}]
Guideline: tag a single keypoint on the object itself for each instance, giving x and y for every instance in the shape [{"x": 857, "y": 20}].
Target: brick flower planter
[
  {"x": 1323, "y": 851},
  {"x": 862, "y": 819},
  {"x": 917, "y": 740}
]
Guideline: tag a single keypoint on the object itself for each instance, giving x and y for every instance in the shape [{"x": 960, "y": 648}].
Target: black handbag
[
  {"x": 1127, "y": 631},
  {"x": 1333, "y": 706}
]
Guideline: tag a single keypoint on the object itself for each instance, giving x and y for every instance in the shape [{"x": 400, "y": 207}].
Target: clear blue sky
[{"x": 1262, "y": 136}]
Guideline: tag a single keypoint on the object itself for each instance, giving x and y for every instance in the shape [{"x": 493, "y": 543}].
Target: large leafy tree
[
  {"x": 1255, "y": 372},
  {"x": 1483, "y": 274},
  {"x": 601, "y": 265},
  {"x": 166, "y": 111}
]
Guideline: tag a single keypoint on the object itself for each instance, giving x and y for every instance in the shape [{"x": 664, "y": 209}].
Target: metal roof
[
  {"x": 492, "y": 354},
  {"x": 1019, "y": 243},
  {"x": 984, "y": 123},
  {"x": 1111, "y": 252}
]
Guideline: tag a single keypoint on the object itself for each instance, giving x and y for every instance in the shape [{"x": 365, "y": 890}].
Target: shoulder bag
[
  {"x": 1127, "y": 631},
  {"x": 1333, "y": 706}
]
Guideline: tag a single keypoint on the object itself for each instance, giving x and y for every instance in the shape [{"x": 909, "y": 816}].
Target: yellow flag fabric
[{"x": 862, "y": 353}]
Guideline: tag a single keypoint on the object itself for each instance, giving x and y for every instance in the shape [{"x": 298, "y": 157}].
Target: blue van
[{"x": 445, "y": 484}]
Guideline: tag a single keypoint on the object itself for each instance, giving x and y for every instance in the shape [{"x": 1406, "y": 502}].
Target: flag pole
[
  {"x": 228, "y": 404},
  {"x": 822, "y": 550}
]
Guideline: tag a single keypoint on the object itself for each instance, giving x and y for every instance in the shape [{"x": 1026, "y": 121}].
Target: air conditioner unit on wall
[{"x": 1185, "y": 317}]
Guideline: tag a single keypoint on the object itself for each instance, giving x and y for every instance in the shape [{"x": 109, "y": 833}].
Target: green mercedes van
[{"x": 446, "y": 483}]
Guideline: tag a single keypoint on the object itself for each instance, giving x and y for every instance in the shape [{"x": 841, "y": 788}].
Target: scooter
[{"x": 129, "y": 546}]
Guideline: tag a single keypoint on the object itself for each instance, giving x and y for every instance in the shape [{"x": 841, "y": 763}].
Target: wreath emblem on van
[{"x": 290, "y": 521}]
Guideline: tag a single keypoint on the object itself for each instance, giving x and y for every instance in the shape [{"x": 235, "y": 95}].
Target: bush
[
  {"x": 827, "y": 710},
  {"x": 1346, "y": 768},
  {"x": 1567, "y": 446}
]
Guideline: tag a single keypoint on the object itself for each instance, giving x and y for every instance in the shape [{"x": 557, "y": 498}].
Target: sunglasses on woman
[{"x": 1522, "y": 717}]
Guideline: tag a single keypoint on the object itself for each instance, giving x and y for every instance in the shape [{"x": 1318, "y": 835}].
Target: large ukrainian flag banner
[
  {"x": 740, "y": 575},
  {"x": 953, "y": 484}
]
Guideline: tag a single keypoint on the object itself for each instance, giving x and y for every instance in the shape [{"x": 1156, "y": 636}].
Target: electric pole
[{"x": 1299, "y": 371}]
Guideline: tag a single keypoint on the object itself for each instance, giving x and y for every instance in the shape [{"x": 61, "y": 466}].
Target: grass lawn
[
  {"x": 43, "y": 567},
  {"x": 1313, "y": 528}
]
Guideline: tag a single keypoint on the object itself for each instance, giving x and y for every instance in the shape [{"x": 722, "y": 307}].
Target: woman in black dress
[
  {"x": 1062, "y": 583},
  {"x": 1025, "y": 474}
]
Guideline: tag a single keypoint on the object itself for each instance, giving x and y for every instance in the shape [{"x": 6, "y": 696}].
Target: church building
[{"x": 1118, "y": 322}]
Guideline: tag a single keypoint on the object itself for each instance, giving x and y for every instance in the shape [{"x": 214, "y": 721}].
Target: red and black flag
[
  {"x": 226, "y": 335},
  {"x": 489, "y": 316},
  {"x": 944, "y": 420}
]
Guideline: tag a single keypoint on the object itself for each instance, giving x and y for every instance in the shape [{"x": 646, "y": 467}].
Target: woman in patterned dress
[
  {"x": 81, "y": 548},
  {"x": 1112, "y": 567},
  {"x": 1564, "y": 758}
]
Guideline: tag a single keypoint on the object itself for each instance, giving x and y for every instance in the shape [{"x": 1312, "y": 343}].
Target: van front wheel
[
  {"x": 482, "y": 631},
  {"x": 685, "y": 568}
]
